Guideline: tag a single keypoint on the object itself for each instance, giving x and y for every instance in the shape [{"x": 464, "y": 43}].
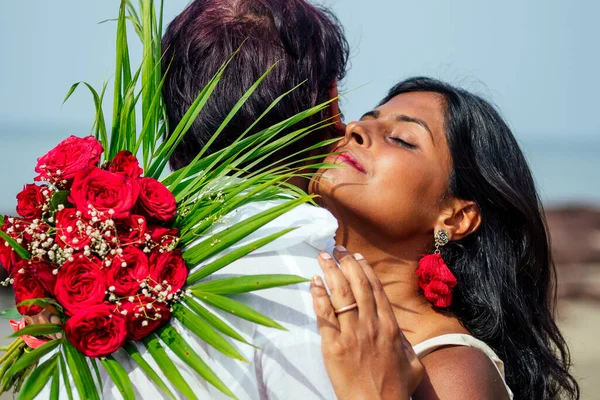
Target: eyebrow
[{"x": 400, "y": 118}]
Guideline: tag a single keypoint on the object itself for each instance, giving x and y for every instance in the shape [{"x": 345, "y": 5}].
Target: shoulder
[{"x": 460, "y": 372}]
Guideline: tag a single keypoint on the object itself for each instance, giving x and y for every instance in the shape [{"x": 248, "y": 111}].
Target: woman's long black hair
[{"x": 506, "y": 289}]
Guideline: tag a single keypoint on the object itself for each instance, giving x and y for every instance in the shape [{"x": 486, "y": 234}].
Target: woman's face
[{"x": 397, "y": 167}]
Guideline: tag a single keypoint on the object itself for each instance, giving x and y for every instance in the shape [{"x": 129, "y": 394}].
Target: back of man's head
[{"x": 307, "y": 42}]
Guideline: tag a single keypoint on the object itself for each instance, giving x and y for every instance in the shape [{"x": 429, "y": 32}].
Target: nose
[{"x": 356, "y": 132}]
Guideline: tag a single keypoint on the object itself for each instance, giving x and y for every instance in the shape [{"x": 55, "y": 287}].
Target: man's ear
[
  {"x": 459, "y": 218},
  {"x": 334, "y": 109}
]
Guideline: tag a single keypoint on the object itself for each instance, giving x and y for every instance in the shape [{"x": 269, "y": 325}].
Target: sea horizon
[{"x": 565, "y": 171}]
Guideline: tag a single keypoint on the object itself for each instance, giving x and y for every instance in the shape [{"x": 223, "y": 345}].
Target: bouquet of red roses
[
  {"x": 104, "y": 240},
  {"x": 101, "y": 244}
]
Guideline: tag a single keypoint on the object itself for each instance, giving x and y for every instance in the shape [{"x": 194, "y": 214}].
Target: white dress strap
[{"x": 459, "y": 339}]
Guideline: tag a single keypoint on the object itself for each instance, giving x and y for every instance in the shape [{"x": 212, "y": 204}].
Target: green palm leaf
[
  {"x": 16, "y": 246},
  {"x": 32, "y": 357},
  {"x": 244, "y": 284},
  {"x": 213, "y": 320},
  {"x": 40, "y": 329},
  {"x": 119, "y": 376},
  {"x": 150, "y": 373},
  {"x": 224, "y": 239},
  {"x": 205, "y": 332},
  {"x": 80, "y": 371},
  {"x": 236, "y": 308},
  {"x": 185, "y": 352},
  {"x": 39, "y": 378},
  {"x": 233, "y": 256},
  {"x": 94, "y": 363},
  {"x": 55, "y": 386},
  {"x": 167, "y": 366},
  {"x": 65, "y": 375}
]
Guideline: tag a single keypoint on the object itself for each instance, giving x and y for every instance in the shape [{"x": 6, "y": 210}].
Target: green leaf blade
[
  {"x": 236, "y": 308},
  {"x": 205, "y": 332},
  {"x": 24, "y": 254},
  {"x": 167, "y": 366},
  {"x": 38, "y": 379},
  {"x": 184, "y": 351},
  {"x": 213, "y": 320},
  {"x": 32, "y": 357},
  {"x": 135, "y": 355},
  {"x": 38, "y": 330},
  {"x": 248, "y": 283},
  {"x": 80, "y": 370},
  {"x": 224, "y": 239},
  {"x": 119, "y": 376},
  {"x": 233, "y": 256},
  {"x": 10, "y": 313}
]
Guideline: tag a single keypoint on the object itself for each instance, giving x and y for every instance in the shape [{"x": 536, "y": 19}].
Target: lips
[{"x": 349, "y": 159}]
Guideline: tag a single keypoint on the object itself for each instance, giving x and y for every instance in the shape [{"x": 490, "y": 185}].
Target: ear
[
  {"x": 460, "y": 218},
  {"x": 334, "y": 109}
]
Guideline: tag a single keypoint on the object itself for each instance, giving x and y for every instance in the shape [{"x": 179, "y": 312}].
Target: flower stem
[
  {"x": 7, "y": 382},
  {"x": 10, "y": 349}
]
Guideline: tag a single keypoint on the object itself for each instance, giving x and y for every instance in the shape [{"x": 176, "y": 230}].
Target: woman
[{"x": 435, "y": 164}]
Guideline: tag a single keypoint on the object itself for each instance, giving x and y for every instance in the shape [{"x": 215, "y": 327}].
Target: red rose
[
  {"x": 126, "y": 280},
  {"x": 43, "y": 271},
  {"x": 96, "y": 331},
  {"x": 110, "y": 195},
  {"x": 170, "y": 267},
  {"x": 144, "y": 316},
  {"x": 126, "y": 164},
  {"x": 8, "y": 256},
  {"x": 64, "y": 161},
  {"x": 80, "y": 284},
  {"x": 32, "y": 281},
  {"x": 156, "y": 200},
  {"x": 71, "y": 229},
  {"x": 162, "y": 236},
  {"x": 132, "y": 231},
  {"x": 31, "y": 200}
]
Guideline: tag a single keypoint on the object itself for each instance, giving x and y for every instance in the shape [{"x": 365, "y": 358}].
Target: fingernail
[
  {"x": 358, "y": 256},
  {"x": 340, "y": 248},
  {"x": 325, "y": 255},
  {"x": 317, "y": 281}
]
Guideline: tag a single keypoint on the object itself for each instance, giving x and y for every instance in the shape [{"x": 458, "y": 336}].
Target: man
[{"x": 308, "y": 44}]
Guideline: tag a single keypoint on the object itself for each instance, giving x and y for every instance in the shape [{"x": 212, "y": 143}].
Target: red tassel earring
[{"x": 435, "y": 278}]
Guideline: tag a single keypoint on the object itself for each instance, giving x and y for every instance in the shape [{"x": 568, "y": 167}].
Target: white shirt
[{"x": 286, "y": 364}]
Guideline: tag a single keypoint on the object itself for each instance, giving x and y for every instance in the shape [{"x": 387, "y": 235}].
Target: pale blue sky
[{"x": 537, "y": 60}]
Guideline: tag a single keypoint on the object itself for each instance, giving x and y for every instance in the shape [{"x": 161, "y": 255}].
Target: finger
[
  {"x": 43, "y": 317},
  {"x": 360, "y": 284},
  {"x": 384, "y": 307},
  {"x": 327, "y": 322},
  {"x": 341, "y": 292}
]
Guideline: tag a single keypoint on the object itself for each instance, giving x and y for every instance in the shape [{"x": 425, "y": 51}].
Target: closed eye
[{"x": 403, "y": 143}]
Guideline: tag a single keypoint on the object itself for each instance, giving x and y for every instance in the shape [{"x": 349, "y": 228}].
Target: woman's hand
[
  {"x": 44, "y": 317},
  {"x": 365, "y": 352}
]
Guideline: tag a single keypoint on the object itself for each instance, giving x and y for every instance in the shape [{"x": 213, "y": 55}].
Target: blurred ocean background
[
  {"x": 537, "y": 60},
  {"x": 566, "y": 170}
]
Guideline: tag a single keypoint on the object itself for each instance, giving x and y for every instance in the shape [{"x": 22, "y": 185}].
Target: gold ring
[{"x": 346, "y": 308}]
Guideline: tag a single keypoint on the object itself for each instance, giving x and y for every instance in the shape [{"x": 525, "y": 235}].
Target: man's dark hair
[{"x": 307, "y": 42}]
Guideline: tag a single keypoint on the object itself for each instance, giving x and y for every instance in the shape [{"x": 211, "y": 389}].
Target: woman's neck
[{"x": 396, "y": 265}]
